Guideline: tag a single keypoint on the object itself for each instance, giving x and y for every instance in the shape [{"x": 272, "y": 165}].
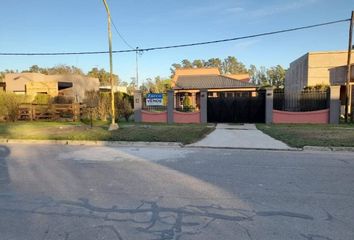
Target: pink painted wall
[
  {"x": 321, "y": 116},
  {"x": 183, "y": 117},
  {"x": 158, "y": 117}
]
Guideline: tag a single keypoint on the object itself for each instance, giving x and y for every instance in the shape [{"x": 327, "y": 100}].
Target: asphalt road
[{"x": 50, "y": 192}]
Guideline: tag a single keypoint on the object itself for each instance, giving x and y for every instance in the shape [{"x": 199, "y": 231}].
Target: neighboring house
[
  {"x": 314, "y": 68},
  {"x": 189, "y": 82},
  {"x": 32, "y": 84},
  {"x": 121, "y": 89}
]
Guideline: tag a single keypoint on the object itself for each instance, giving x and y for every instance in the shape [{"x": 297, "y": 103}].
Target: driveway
[{"x": 239, "y": 136}]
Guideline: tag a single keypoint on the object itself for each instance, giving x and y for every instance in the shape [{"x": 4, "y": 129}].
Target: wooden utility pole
[
  {"x": 348, "y": 88},
  {"x": 113, "y": 125}
]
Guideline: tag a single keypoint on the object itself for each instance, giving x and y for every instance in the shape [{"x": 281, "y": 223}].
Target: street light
[{"x": 114, "y": 125}]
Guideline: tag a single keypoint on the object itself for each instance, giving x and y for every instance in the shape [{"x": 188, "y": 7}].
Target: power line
[
  {"x": 180, "y": 45},
  {"x": 121, "y": 36}
]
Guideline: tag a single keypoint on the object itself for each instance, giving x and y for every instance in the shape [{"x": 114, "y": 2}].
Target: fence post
[
  {"x": 204, "y": 106},
  {"x": 334, "y": 105},
  {"x": 170, "y": 106},
  {"x": 138, "y": 103},
  {"x": 269, "y": 105}
]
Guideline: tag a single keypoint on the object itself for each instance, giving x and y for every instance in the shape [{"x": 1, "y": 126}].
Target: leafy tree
[
  {"x": 215, "y": 63},
  {"x": 103, "y": 76},
  {"x": 186, "y": 63},
  {"x": 198, "y": 63},
  {"x": 231, "y": 65},
  {"x": 276, "y": 76}
]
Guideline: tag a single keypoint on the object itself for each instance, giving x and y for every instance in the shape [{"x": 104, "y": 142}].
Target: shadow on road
[{"x": 4, "y": 171}]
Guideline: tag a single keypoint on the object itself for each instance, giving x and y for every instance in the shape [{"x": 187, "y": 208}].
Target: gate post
[
  {"x": 269, "y": 105},
  {"x": 170, "y": 106},
  {"x": 334, "y": 105},
  {"x": 137, "y": 105},
  {"x": 203, "y": 105}
]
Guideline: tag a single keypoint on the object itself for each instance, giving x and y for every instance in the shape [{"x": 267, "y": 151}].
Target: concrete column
[
  {"x": 170, "y": 106},
  {"x": 204, "y": 105},
  {"x": 352, "y": 102},
  {"x": 269, "y": 105},
  {"x": 334, "y": 105},
  {"x": 138, "y": 105},
  {"x": 193, "y": 99}
]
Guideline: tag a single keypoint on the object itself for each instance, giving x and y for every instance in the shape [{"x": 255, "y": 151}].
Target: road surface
[{"x": 56, "y": 192}]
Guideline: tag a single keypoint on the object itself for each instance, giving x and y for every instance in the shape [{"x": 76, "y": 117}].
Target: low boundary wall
[
  {"x": 320, "y": 116},
  {"x": 154, "y": 117},
  {"x": 186, "y": 117}
]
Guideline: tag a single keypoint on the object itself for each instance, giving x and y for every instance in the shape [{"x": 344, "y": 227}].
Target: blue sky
[{"x": 78, "y": 25}]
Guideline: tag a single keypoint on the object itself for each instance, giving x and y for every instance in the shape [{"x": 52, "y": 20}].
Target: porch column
[
  {"x": 170, "y": 106},
  {"x": 269, "y": 105},
  {"x": 138, "y": 104},
  {"x": 334, "y": 105},
  {"x": 203, "y": 105},
  {"x": 194, "y": 102}
]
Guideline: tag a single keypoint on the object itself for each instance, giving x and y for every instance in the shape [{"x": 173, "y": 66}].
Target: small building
[
  {"x": 31, "y": 84},
  {"x": 189, "y": 83},
  {"x": 319, "y": 68}
]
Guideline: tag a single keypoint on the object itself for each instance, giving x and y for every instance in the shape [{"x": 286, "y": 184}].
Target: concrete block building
[{"x": 31, "y": 84}]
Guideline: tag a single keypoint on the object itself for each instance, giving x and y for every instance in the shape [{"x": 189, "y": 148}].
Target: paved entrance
[{"x": 239, "y": 136}]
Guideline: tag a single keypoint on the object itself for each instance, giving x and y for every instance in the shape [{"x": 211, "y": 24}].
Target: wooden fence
[{"x": 55, "y": 112}]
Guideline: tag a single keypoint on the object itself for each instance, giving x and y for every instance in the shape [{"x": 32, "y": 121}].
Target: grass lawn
[
  {"x": 300, "y": 135},
  {"x": 184, "y": 133}
]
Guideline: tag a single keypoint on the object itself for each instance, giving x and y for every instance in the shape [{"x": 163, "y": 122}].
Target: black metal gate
[{"x": 248, "y": 107}]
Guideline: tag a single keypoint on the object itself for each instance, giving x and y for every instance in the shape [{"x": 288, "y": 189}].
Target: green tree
[
  {"x": 276, "y": 76},
  {"x": 103, "y": 76},
  {"x": 198, "y": 63},
  {"x": 231, "y": 65},
  {"x": 214, "y": 63}
]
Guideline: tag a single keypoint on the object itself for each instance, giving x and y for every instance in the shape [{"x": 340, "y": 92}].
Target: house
[
  {"x": 189, "y": 83},
  {"x": 31, "y": 84},
  {"x": 314, "y": 68}
]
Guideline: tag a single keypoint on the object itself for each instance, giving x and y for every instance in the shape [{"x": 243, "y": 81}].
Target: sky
[{"x": 81, "y": 25}]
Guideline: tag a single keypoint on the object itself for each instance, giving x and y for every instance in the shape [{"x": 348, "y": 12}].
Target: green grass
[
  {"x": 300, "y": 135},
  {"x": 128, "y": 131}
]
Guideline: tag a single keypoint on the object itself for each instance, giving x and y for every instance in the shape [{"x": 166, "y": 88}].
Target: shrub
[
  {"x": 9, "y": 105},
  {"x": 41, "y": 98},
  {"x": 62, "y": 100}
]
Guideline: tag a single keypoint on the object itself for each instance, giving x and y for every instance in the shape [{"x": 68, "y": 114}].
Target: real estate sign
[{"x": 154, "y": 99}]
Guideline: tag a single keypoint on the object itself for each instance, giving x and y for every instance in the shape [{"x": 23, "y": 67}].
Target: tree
[
  {"x": 103, "y": 76},
  {"x": 214, "y": 63},
  {"x": 276, "y": 76},
  {"x": 198, "y": 63},
  {"x": 186, "y": 63},
  {"x": 231, "y": 65}
]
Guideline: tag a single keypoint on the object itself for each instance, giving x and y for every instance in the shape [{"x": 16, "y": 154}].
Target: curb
[
  {"x": 328, "y": 149},
  {"x": 93, "y": 143},
  {"x": 241, "y": 148}
]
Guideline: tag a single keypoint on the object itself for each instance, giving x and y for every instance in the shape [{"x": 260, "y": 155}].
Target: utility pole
[
  {"x": 348, "y": 90},
  {"x": 137, "y": 67},
  {"x": 114, "y": 125}
]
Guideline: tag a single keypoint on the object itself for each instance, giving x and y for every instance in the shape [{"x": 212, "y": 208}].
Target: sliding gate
[{"x": 237, "y": 107}]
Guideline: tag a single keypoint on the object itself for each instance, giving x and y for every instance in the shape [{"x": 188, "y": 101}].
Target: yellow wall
[
  {"x": 51, "y": 88},
  {"x": 320, "y": 65}
]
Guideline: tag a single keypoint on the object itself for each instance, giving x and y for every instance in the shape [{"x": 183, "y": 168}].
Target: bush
[
  {"x": 62, "y": 100},
  {"x": 42, "y": 99},
  {"x": 9, "y": 105}
]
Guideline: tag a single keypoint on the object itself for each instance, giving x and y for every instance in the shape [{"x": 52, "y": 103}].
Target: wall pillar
[
  {"x": 352, "y": 102},
  {"x": 334, "y": 105},
  {"x": 170, "y": 106},
  {"x": 204, "y": 106},
  {"x": 269, "y": 105},
  {"x": 138, "y": 105}
]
